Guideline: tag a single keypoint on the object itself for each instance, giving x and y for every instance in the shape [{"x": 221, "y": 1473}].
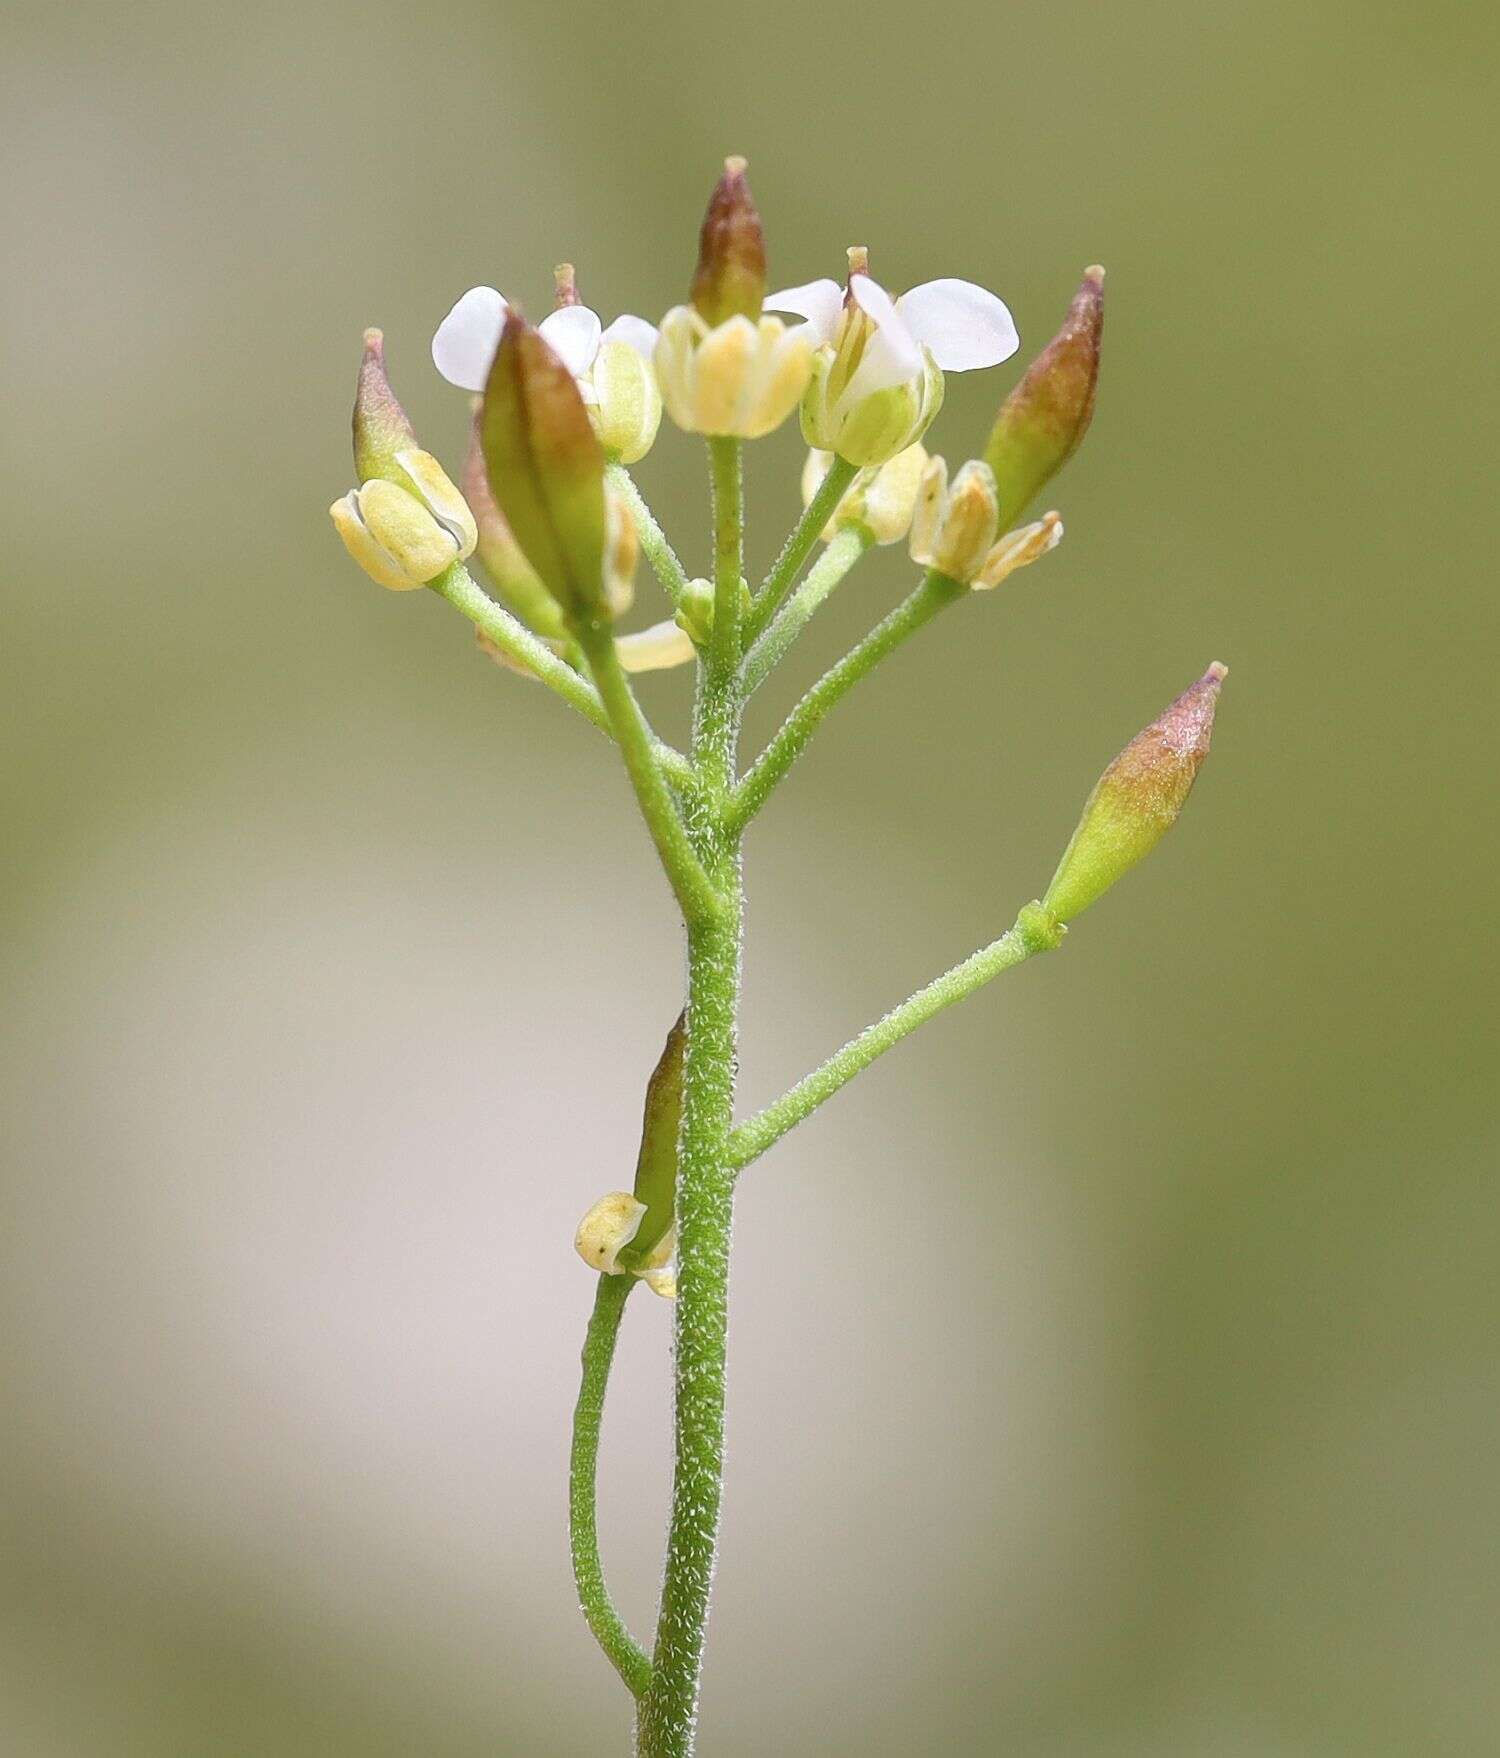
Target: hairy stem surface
[
  {"x": 624, "y": 1653},
  {"x": 935, "y": 592}
]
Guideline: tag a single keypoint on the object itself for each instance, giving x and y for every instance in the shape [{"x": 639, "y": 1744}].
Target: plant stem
[
  {"x": 624, "y": 1653},
  {"x": 935, "y": 592},
  {"x": 693, "y": 889},
  {"x": 658, "y": 550},
  {"x": 798, "y": 546},
  {"x": 511, "y": 635},
  {"x": 840, "y": 556},
  {"x": 1034, "y": 931},
  {"x": 705, "y": 1184},
  {"x": 726, "y": 471}
]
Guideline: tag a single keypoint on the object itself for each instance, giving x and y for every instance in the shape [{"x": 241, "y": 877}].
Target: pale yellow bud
[
  {"x": 1019, "y": 548},
  {"x": 738, "y": 378},
  {"x": 624, "y": 401},
  {"x": 622, "y": 554},
  {"x": 435, "y": 489},
  {"x": 607, "y": 1229},
  {"x": 655, "y": 649},
  {"x": 881, "y": 498},
  {"x": 954, "y": 527},
  {"x": 657, "y": 1270}
]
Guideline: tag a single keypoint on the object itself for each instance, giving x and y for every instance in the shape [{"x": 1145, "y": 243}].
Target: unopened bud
[
  {"x": 406, "y": 537},
  {"x": 1042, "y": 422},
  {"x": 381, "y": 428},
  {"x": 695, "y": 611},
  {"x": 1137, "y": 799},
  {"x": 881, "y": 499},
  {"x": 546, "y": 469},
  {"x": 731, "y": 277},
  {"x": 954, "y": 528},
  {"x": 740, "y": 378},
  {"x": 1018, "y": 549}
]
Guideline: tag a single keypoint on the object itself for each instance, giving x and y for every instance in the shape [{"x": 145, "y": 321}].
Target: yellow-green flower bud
[
  {"x": 1136, "y": 800},
  {"x": 731, "y": 276},
  {"x": 695, "y": 611},
  {"x": 954, "y": 528},
  {"x": 658, "y": 648},
  {"x": 546, "y": 469},
  {"x": 1018, "y": 549},
  {"x": 1042, "y": 422},
  {"x": 403, "y": 539},
  {"x": 626, "y": 406},
  {"x": 881, "y": 499},
  {"x": 739, "y": 378}
]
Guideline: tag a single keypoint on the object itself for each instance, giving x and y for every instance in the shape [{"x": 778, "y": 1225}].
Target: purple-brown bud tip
[
  {"x": 1042, "y": 422},
  {"x": 566, "y": 283},
  {"x": 731, "y": 276},
  {"x": 1137, "y": 799},
  {"x": 545, "y": 466},
  {"x": 380, "y": 425}
]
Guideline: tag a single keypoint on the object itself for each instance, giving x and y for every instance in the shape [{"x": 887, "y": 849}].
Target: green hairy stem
[{"x": 696, "y": 807}]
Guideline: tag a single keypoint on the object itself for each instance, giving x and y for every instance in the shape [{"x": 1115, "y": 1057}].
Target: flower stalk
[{"x": 547, "y": 503}]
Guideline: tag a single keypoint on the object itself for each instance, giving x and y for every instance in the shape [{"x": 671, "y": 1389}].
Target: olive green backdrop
[{"x": 1115, "y": 1370}]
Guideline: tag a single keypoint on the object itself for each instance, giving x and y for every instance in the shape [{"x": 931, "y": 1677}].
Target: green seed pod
[
  {"x": 1042, "y": 422},
  {"x": 731, "y": 277},
  {"x": 1137, "y": 799},
  {"x": 546, "y": 469}
]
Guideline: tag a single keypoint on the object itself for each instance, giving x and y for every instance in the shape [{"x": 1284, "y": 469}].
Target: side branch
[
  {"x": 830, "y": 568},
  {"x": 935, "y": 592},
  {"x": 798, "y": 546},
  {"x": 694, "y": 889},
  {"x": 654, "y": 542},
  {"x": 533, "y": 655},
  {"x": 1034, "y": 931},
  {"x": 624, "y": 1653}
]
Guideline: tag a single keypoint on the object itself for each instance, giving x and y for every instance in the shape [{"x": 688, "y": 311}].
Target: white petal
[
  {"x": 573, "y": 335},
  {"x": 891, "y": 355},
  {"x": 964, "y": 326},
  {"x": 467, "y": 338},
  {"x": 818, "y": 301},
  {"x": 636, "y": 331}
]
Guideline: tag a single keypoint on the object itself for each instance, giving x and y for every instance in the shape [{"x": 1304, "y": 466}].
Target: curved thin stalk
[
  {"x": 654, "y": 541},
  {"x": 694, "y": 892},
  {"x": 840, "y": 556},
  {"x": 934, "y": 594},
  {"x": 798, "y": 546},
  {"x": 624, "y": 1653},
  {"x": 459, "y": 587}
]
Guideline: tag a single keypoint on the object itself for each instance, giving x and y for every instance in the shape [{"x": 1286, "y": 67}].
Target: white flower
[
  {"x": 464, "y": 346},
  {"x": 878, "y": 383}
]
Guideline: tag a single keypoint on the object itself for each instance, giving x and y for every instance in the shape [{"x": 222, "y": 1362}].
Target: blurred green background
[{"x": 1157, "y": 1412}]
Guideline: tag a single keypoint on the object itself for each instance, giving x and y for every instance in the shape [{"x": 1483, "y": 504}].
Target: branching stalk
[
  {"x": 1033, "y": 932},
  {"x": 511, "y": 635},
  {"x": 798, "y": 546},
  {"x": 654, "y": 544},
  {"x": 934, "y": 594},
  {"x": 830, "y": 568}
]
